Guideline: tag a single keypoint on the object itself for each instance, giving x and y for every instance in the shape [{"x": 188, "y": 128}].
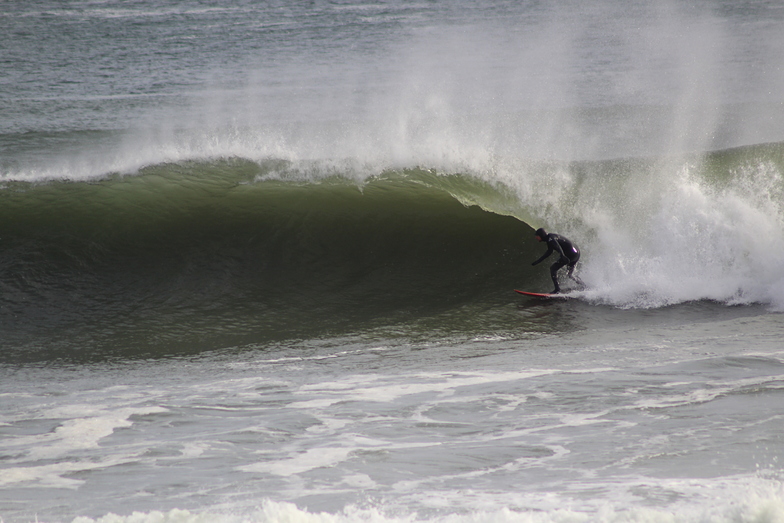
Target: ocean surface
[{"x": 257, "y": 261}]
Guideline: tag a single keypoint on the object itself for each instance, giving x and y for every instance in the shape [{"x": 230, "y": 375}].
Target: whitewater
[{"x": 257, "y": 261}]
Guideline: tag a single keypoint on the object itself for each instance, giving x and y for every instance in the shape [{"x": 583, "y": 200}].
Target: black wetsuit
[{"x": 569, "y": 255}]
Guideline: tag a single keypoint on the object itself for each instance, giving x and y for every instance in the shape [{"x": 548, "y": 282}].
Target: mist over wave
[{"x": 447, "y": 86}]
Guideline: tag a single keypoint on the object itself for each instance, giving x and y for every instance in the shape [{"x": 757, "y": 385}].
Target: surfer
[{"x": 569, "y": 252}]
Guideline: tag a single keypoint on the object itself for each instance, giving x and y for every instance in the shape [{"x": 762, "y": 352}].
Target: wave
[
  {"x": 208, "y": 253},
  {"x": 205, "y": 254}
]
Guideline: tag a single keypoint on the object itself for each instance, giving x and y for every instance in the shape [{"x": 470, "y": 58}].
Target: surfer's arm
[{"x": 545, "y": 255}]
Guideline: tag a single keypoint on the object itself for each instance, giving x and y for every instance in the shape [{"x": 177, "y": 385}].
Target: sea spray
[{"x": 699, "y": 233}]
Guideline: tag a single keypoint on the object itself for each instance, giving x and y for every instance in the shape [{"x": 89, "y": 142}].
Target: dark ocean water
[
  {"x": 257, "y": 261},
  {"x": 203, "y": 251}
]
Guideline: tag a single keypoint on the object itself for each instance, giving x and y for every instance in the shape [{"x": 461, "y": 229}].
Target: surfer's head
[{"x": 540, "y": 234}]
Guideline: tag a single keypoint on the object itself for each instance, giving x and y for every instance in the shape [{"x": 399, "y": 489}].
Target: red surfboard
[{"x": 541, "y": 294}]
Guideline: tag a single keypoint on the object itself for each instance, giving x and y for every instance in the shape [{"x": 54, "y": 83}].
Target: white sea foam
[
  {"x": 84, "y": 428},
  {"x": 742, "y": 499},
  {"x": 387, "y": 389}
]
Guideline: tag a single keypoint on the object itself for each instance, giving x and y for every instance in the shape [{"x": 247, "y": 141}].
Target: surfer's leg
[
  {"x": 572, "y": 276},
  {"x": 554, "y": 275}
]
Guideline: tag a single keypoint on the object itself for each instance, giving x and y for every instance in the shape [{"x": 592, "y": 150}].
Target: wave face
[
  {"x": 202, "y": 255},
  {"x": 197, "y": 255}
]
